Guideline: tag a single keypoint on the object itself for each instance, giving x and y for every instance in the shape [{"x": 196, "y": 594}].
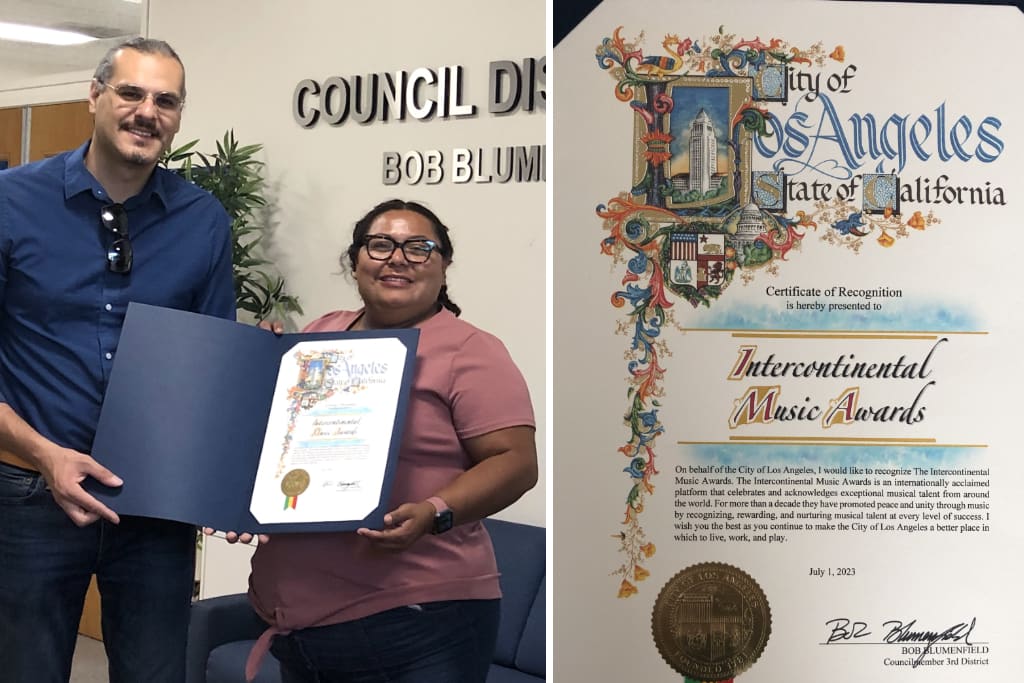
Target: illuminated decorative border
[
  {"x": 641, "y": 223},
  {"x": 311, "y": 387}
]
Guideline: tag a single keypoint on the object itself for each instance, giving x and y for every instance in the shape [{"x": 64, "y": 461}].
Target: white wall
[{"x": 243, "y": 60}]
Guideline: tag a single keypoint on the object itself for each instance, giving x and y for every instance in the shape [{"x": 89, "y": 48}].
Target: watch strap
[
  {"x": 439, "y": 504},
  {"x": 442, "y": 515}
]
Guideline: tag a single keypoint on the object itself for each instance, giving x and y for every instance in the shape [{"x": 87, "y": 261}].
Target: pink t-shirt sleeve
[{"x": 487, "y": 390}]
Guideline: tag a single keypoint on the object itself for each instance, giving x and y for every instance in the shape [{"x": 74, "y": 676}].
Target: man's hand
[{"x": 64, "y": 470}]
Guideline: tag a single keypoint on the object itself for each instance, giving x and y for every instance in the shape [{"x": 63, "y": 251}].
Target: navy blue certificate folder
[{"x": 185, "y": 414}]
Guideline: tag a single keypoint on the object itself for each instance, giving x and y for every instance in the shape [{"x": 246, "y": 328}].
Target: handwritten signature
[
  {"x": 845, "y": 630},
  {"x": 341, "y": 485}
]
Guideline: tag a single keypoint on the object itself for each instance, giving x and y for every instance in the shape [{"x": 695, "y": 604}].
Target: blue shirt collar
[{"x": 78, "y": 179}]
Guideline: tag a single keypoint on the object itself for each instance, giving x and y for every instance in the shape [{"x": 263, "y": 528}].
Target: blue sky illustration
[
  {"x": 832, "y": 456},
  {"x": 686, "y": 104},
  {"x": 896, "y": 315}
]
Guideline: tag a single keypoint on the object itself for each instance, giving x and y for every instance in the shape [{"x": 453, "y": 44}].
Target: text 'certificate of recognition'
[{"x": 329, "y": 433}]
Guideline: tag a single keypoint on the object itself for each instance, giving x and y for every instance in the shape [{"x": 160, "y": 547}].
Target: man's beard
[{"x": 135, "y": 156}]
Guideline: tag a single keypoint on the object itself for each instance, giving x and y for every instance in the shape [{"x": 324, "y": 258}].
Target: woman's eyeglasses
[
  {"x": 416, "y": 250},
  {"x": 119, "y": 254},
  {"x": 168, "y": 102}
]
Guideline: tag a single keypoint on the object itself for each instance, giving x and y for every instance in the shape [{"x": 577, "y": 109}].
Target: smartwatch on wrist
[{"x": 443, "y": 519}]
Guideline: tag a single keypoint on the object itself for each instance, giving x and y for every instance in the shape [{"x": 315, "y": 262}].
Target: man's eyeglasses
[
  {"x": 167, "y": 102},
  {"x": 416, "y": 250},
  {"x": 119, "y": 254}
]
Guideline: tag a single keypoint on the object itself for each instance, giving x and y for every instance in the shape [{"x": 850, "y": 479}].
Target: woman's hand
[
  {"x": 235, "y": 537},
  {"x": 506, "y": 467},
  {"x": 277, "y": 327},
  {"x": 403, "y": 526}
]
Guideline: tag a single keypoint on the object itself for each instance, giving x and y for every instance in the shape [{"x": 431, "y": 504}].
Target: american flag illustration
[{"x": 684, "y": 247}]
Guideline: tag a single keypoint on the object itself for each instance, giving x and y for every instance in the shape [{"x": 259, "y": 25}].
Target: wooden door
[
  {"x": 10, "y": 137},
  {"x": 57, "y": 128},
  {"x": 89, "y": 625}
]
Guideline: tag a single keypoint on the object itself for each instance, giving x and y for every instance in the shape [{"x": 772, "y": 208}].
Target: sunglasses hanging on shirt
[{"x": 119, "y": 254}]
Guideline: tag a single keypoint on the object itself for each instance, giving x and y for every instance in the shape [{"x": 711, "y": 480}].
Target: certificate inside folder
[{"x": 222, "y": 424}]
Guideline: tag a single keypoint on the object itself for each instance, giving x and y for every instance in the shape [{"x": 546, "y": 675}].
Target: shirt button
[
  {"x": 108, "y": 355},
  {"x": 108, "y": 307}
]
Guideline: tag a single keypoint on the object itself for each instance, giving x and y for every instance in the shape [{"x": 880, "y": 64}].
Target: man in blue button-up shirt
[{"x": 81, "y": 235}]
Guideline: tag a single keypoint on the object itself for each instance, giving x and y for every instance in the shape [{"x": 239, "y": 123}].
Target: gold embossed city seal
[
  {"x": 711, "y": 621},
  {"x": 295, "y": 482}
]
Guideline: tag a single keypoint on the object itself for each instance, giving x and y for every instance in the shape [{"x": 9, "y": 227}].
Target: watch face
[{"x": 443, "y": 521}]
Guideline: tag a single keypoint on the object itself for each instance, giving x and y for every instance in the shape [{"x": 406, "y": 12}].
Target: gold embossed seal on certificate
[
  {"x": 711, "y": 621},
  {"x": 294, "y": 483}
]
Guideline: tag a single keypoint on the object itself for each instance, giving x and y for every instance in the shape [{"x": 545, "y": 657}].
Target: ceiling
[{"x": 109, "y": 20}]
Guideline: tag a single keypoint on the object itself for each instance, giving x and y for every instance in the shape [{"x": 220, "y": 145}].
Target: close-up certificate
[
  {"x": 787, "y": 330},
  {"x": 329, "y": 432}
]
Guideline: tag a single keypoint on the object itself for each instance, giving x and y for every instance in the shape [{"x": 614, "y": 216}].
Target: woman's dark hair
[{"x": 446, "y": 248}]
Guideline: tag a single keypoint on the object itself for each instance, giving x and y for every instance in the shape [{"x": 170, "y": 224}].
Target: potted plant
[{"x": 235, "y": 177}]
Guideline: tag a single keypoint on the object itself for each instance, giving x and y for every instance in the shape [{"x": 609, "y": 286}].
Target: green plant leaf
[{"x": 235, "y": 177}]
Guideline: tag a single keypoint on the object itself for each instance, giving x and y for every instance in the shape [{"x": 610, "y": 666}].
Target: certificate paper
[
  {"x": 786, "y": 328},
  {"x": 329, "y": 431},
  {"x": 226, "y": 425}
]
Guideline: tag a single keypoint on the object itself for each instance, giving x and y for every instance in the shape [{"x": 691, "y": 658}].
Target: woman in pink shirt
[{"x": 416, "y": 601}]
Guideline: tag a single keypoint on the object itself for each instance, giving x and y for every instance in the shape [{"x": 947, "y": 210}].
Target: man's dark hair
[{"x": 149, "y": 46}]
